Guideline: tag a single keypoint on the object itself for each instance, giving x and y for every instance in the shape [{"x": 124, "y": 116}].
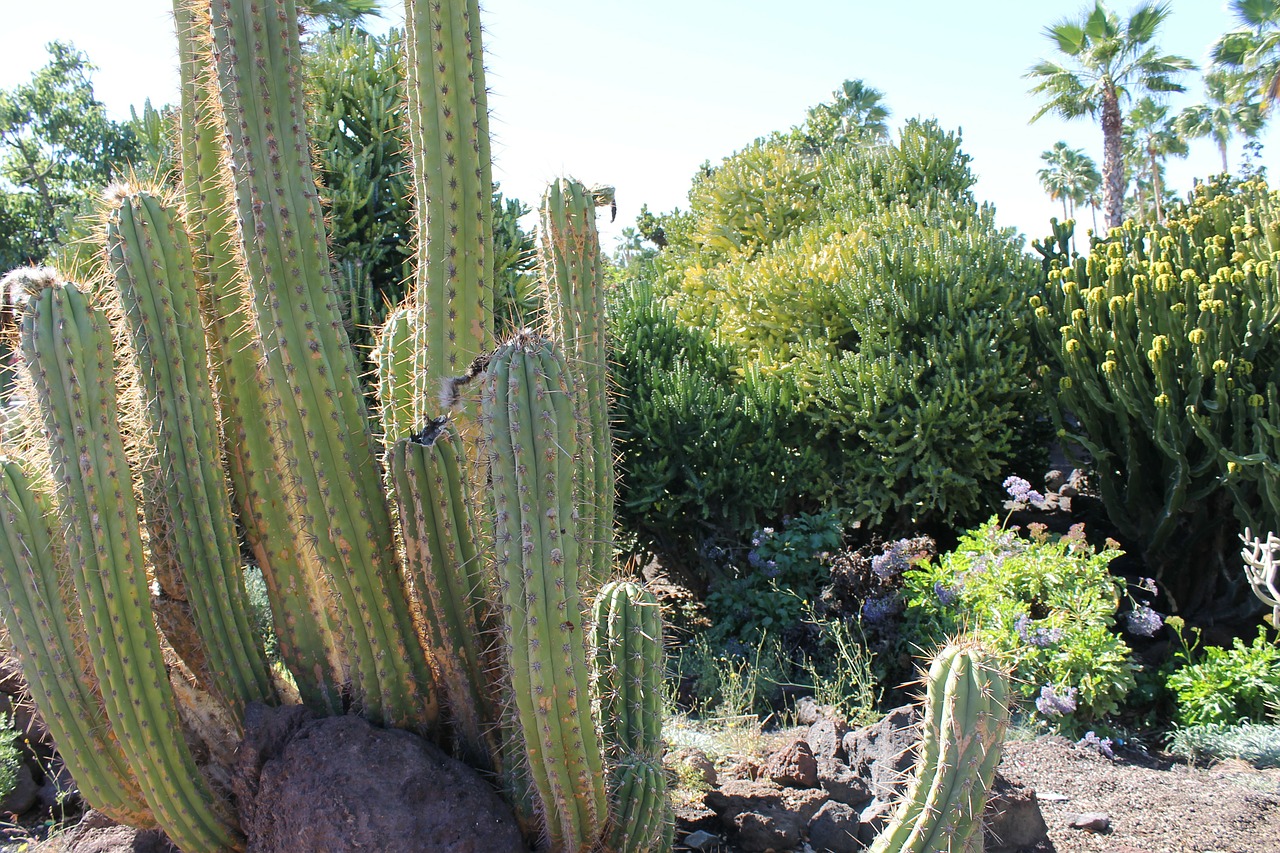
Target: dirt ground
[{"x": 1155, "y": 806}]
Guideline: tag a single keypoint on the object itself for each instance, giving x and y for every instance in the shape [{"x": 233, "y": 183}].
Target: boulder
[
  {"x": 884, "y": 753},
  {"x": 843, "y": 784},
  {"x": 792, "y": 766},
  {"x": 826, "y": 738},
  {"x": 834, "y": 829},
  {"x": 97, "y": 833},
  {"x": 760, "y": 816},
  {"x": 339, "y": 784},
  {"x": 24, "y": 793},
  {"x": 1012, "y": 820}
]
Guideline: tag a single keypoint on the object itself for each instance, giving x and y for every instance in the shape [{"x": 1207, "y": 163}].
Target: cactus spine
[
  {"x": 67, "y": 348},
  {"x": 531, "y": 437},
  {"x": 963, "y": 730},
  {"x": 627, "y": 633},
  {"x": 48, "y": 633},
  {"x": 302, "y": 609},
  {"x": 152, "y": 262},
  {"x": 323, "y": 451},
  {"x": 570, "y": 259}
]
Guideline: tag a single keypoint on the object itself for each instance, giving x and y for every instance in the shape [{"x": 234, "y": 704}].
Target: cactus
[
  {"x": 354, "y": 624},
  {"x": 152, "y": 263},
  {"x": 1262, "y": 569},
  {"x": 531, "y": 437},
  {"x": 627, "y": 635},
  {"x": 570, "y": 260},
  {"x": 963, "y": 730},
  {"x": 67, "y": 348}
]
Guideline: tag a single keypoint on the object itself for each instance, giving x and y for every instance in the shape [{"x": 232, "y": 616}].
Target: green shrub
[
  {"x": 877, "y": 308},
  {"x": 1166, "y": 355},
  {"x": 1228, "y": 686},
  {"x": 1046, "y": 606},
  {"x": 1255, "y": 743},
  {"x": 10, "y": 756},
  {"x": 783, "y": 573}
]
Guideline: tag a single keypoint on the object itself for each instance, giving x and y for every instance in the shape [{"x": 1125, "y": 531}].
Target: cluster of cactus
[
  {"x": 965, "y": 717},
  {"x": 1167, "y": 364},
  {"x": 471, "y": 625}
]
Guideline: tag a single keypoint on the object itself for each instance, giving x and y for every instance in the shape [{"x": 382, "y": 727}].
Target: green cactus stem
[
  {"x": 67, "y": 349},
  {"x": 627, "y": 635},
  {"x": 48, "y": 634},
  {"x": 446, "y": 569},
  {"x": 323, "y": 448},
  {"x": 531, "y": 436},
  {"x": 303, "y": 613},
  {"x": 152, "y": 262},
  {"x": 963, "y": 731},
  {"x": 448, "y": 131},
  {"x": 393, "y": 360}
]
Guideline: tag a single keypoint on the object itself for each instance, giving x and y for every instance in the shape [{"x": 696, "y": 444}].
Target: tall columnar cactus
[
  {"x": 569, "y": 248},
  {"x": 152, "y": 262},
  {"x": 321, "y": 439},
  {"x": 446, "y": 569},
  {"x": 531, "y": 436},
  {"x": 627, "y": 635},
  {"x": 448, "y": 121},
  {"x": 48, "y": 633},
  {"x": 393, "y": 360},
  {"x": 67, "y": 348},
  {"x": 303, "y": 610},
  {"x": 965, "y": 717}
]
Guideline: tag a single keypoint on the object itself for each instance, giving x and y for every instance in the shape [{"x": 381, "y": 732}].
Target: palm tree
[
  {"x": 1230, "y": 108},
  {"x": 1107, "y": 63},
  {"x": 1154, "y": 138},
  {"x": 1069, "y": 175},
  {"x": 1254, "y": 48},
  {"x": 857, "y": 111}
]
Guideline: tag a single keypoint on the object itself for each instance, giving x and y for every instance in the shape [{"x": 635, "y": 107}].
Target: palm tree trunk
[
  {"x": 1155, "y": 184},
  {"x": 1222, "y": 149},
  {"x": 1112, "y": 164}
]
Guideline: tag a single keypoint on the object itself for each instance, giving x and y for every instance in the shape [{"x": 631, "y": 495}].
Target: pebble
[
  {"x": 701, "y": 840},
  {"x": 1092, "y": 821}
]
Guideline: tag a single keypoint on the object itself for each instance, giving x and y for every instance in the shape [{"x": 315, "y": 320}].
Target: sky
[{"x": 638, "y": 95}]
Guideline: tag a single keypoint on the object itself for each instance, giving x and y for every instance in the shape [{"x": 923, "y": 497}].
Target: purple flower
[
  {"x": 1144, "y": 622},
  {"x": 1148, "y": 585},
  {"x": 1102, "y": 746},
  {"x": 1021, "y": 492},
  {"x": 771, "y": 569},
  {"x": 1051, "y": 703},
  {"x": 892, "y": 562},
  {"x": 879, "y": 609},
  {"x": 1041, "y": 638},
  {"x": 947, "y": 595}
]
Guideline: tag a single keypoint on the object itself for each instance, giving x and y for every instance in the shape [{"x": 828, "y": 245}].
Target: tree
[
  {"x": 1254, "y": 48},
  {"x": 1153, "y": 137},
  {"x": 1107, "y": 63},
  {"x": 1230, "y": 108},
  {"x": 856, "y": 112},
  {"x": 1069, "y": 175},
  {"x": 58, "y": 150}
]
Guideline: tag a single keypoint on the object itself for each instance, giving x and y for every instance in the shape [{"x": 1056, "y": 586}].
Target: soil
[{"x": 1155, "y": 805}]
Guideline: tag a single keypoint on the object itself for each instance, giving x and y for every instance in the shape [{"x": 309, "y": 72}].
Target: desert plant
[
  {"x": 1218, "y": 686},
  {"x": 353, "y": 622},
  {"x": 965, "y": 717},
  {"x": 1167, "y": 369}
]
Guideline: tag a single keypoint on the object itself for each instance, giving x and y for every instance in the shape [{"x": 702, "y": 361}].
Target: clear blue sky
[{"x": 638, "y": 94}]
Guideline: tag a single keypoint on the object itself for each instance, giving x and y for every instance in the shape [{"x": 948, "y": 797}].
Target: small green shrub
[
  {"x": 10, "y": 756},
  {"x": 784, "y": 572},
  {"x": 1256, "y": 743},
  {"x": 1229, "y": 686},
  {"x": 1046, "y": 606}
]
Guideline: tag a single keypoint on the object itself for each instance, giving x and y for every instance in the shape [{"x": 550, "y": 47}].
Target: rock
[
  {"x": 843, "y": 784},
  {"x": 834, "y": 829},
  {"x": 872, "y": 820},
  {"x": 59, "y": 793},
  {"x": 808, "y": 711},
  {"x": 793, "y": 766},
  {"x": 1053, "y": 480},
  {"x": 1092, "y": 821},
  {"x": 884, "y": 752},
  {"x": 11, "y": 679},
  {"x": 24, "y": 793},
  {"x": 826, "y": 737},
  {"x": 1077, "y": 481},
  {"x": 759, "y": 816},
  {"x": 96, "y": 833},
  {"x": 339, "y": 783},
  {"x": 701, "y": 840},
  {"x": 695, "y": 761},
  {"x": 1012, "y": 819}
]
